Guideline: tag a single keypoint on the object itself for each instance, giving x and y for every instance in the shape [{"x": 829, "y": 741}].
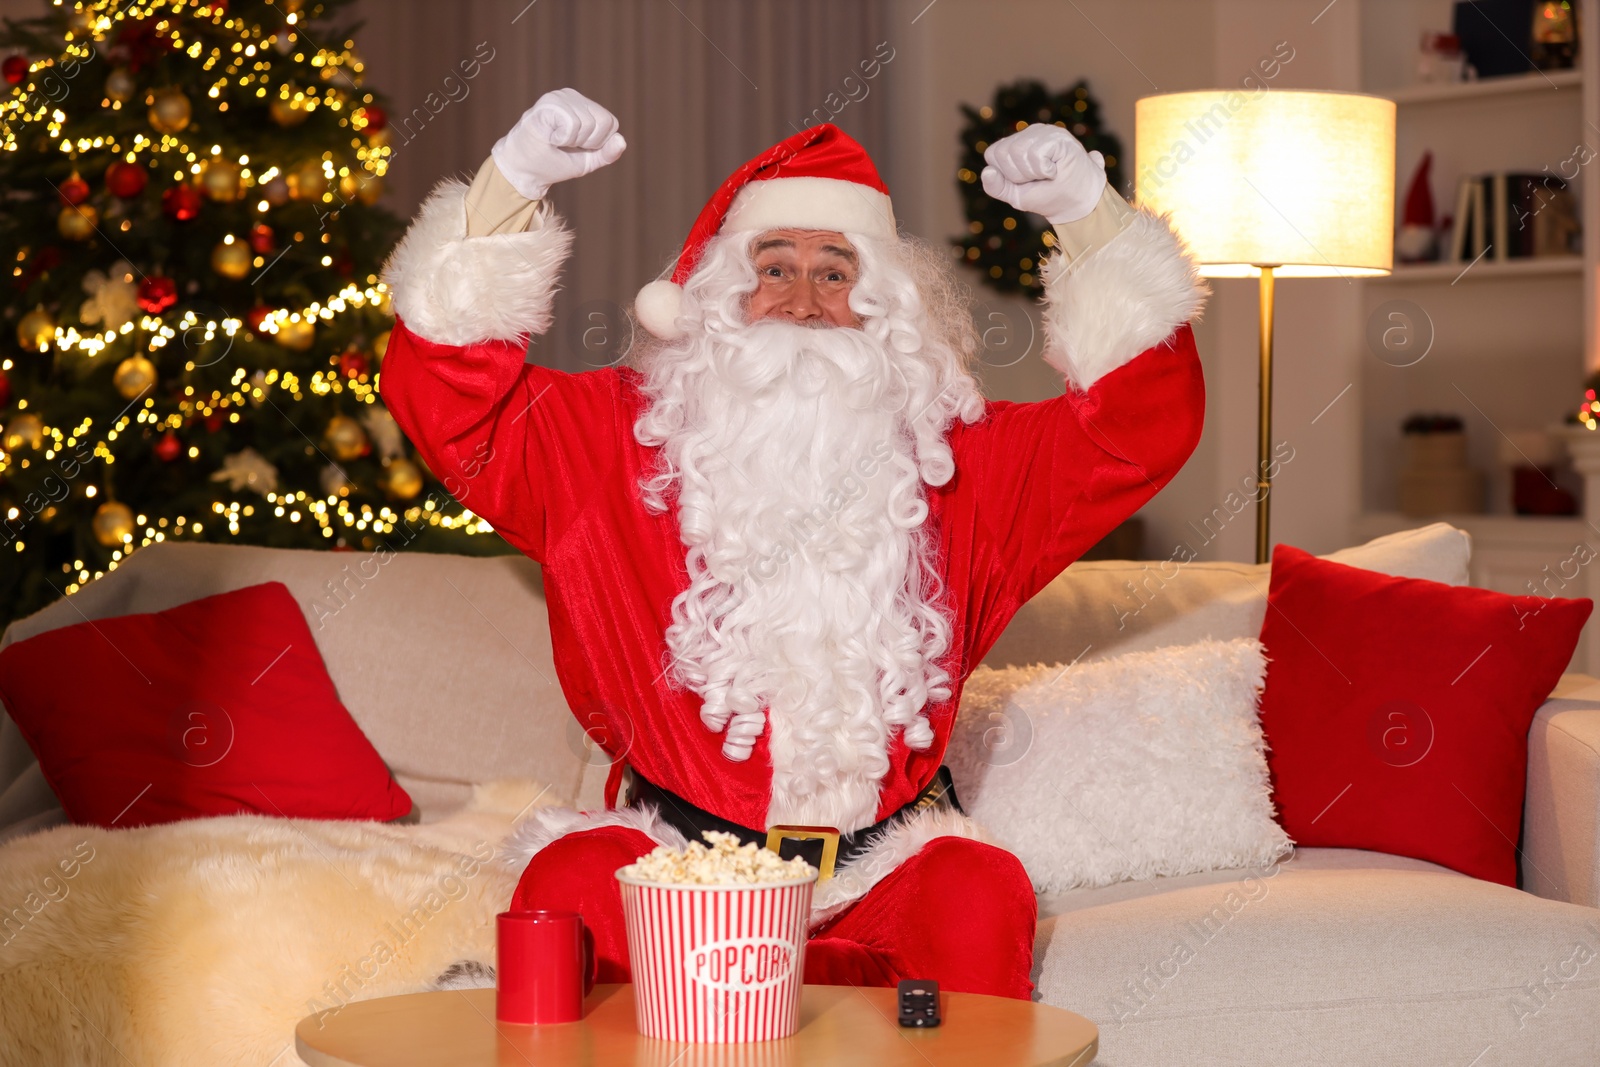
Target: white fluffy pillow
[{"x": 1151, "y": 763}]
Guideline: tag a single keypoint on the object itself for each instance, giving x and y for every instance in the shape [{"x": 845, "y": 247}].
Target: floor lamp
[{"x": 1272, "y": 184}]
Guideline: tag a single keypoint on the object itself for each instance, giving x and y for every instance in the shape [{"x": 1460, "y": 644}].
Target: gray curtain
[{"x": 699, "y": 87}]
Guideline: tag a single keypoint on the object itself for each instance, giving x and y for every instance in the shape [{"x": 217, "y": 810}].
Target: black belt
[{"x": 822, "y": 846}]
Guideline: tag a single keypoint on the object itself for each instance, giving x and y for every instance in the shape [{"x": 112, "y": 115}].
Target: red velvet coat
[{"x": 549, "y": 458}]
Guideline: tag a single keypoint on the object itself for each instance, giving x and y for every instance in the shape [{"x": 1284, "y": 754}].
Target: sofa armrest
[{"x": 1561, "y": 816}]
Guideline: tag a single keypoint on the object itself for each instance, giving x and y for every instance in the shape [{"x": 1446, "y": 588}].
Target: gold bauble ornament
[
  {"x": 380, "y": 345},
  {"x": 120, "y": 85},
  {"x": 369, "y": 187},
  {"x": 346, "y": 437},
  {"x": 221, "y": 181},
  {"x": 296, "y": 334},
  {"x": 377, "y": 138},
  {"x": 170, "y": 111},
  {"x": 113, "y": 524},
  {"x": 77, "y": 221},
  {"x": 23, "y": 431},
  {"x": 288, "y": 112},
  {"x": 35, "y": 330},
  {"x": 231, "y": 258},
  {"x": 401, "y": 479},
  {"x": 361, "y": 186},
  {"x": 78, "y": 22},
  {"x": 133, "y": 376},
  {"x": 308, "y": 181}
]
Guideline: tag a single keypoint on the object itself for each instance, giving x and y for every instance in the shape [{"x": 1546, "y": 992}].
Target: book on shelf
[{"x": 1513, "y": 216}]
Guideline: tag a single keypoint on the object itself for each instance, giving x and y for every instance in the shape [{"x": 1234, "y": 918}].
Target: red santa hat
[{"x": 818, "y": 179}]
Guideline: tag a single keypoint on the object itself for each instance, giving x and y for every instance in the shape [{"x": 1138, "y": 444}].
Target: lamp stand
[{"x": 1264, "y": 421}]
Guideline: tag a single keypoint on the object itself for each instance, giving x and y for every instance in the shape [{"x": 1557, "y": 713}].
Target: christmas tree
[{"x": 195, "y": 323}]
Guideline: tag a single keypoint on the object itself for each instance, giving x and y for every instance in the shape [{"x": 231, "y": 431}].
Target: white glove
[
  {"x": 1045, "y": 170},
  {"x": 563, "y": 135}
]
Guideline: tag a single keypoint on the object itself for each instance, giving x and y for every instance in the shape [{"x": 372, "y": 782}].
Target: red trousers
[{"x": 959, "y": 912}]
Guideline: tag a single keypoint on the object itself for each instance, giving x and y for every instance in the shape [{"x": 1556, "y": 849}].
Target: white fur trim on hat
[
  {"x": 657, "y": 308},
  {"x": 811, "y": 204}
]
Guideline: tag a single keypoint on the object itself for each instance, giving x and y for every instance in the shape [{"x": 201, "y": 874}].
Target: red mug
[{"x": 545, "y": 965}]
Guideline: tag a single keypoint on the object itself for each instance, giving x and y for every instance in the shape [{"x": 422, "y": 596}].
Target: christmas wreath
[{"x": 1003, "y": 244}]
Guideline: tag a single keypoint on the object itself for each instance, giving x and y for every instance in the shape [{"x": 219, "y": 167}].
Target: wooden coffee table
[{"x": 838, "y": 1025}]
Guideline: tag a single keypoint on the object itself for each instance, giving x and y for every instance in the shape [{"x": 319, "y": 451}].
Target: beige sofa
[{"x": 1334, "y": 956}]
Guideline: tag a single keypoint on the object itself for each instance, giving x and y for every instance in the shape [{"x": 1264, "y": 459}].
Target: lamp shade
[{"x": 1300, "y": 181}]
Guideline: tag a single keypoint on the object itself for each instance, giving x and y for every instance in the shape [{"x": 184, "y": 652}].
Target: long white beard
[{"x": 801, "y": 506}]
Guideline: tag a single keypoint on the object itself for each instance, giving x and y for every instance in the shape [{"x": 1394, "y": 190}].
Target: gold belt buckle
[{"x": 826, "y": 834}]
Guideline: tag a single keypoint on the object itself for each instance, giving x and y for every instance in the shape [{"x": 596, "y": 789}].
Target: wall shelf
[
  {"x": 1536, "y": 81},
  {"x": 1484, "y": 271},
  {"x": 1515, "y": 338}
]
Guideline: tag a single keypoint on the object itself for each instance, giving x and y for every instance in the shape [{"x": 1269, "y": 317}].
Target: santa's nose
[{"x": 800, "y": 304}]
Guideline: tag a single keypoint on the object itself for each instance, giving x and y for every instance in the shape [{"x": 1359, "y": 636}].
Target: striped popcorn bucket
[{"x": 717, "y": 963}]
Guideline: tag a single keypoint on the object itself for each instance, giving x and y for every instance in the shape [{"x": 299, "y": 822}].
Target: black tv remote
[{"x": 919, "y": 1002}]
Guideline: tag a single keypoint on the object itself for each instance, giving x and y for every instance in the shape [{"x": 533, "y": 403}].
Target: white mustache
[{"x": 769, "y": 356}]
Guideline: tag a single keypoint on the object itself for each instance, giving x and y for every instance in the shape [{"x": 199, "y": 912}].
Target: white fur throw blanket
[{"x": 204, "y": 942}]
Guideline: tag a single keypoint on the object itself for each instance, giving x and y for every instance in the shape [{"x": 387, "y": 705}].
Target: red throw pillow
[
  {"x": 215, "y": 707},
  {"x": 1396, "y": 710}
]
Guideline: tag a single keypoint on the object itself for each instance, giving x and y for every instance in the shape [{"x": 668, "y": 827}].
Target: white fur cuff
[
  {"x": 1118, "y": 300},
  {"x": 458, "y": 290}
]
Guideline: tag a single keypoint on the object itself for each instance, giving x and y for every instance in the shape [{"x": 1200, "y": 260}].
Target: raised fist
[
  {"x": 1045, "y": 170},
  {"x": 563, "y": 135}
]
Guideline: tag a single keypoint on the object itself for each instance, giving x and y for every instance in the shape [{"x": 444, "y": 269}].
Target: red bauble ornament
[
  {"x": 181, "y": 202},
  {"x": 343, "y": 264},
  {"x": 5, "y": 389},
  {"x": 169, "y": 447},
  {"x": 256, "y": 316},
  {"x": 352, "y": 364},
  {"x": 262, "y": 239},
  {"x": 376, "y": 118},
  {"x": 214, "y": 422},
  {"x": 15, "y": 69},
  {"x": 126, "y": 180},
  {"x": 48, "y": 258},
  {"x": 74, "y": 190},
  {"x": 157, "y": 294},
  {"x": 140, "y": 44}
]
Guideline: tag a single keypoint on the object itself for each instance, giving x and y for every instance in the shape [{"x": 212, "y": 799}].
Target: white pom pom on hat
[
  {"x": 657, "y": 307},
  {"x": 818, "y": 179}
]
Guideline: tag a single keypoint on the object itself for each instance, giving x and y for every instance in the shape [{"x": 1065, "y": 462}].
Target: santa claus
[{"x": 777, "y": 541}]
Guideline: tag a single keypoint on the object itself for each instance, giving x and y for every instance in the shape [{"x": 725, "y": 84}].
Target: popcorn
[{"x": 726, "y": 862}]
